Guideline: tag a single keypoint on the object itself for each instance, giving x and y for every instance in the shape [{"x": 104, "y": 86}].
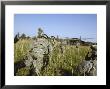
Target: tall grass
[
  {"x": 67, "y": 60},
  {"x": 21, "y": 48}
]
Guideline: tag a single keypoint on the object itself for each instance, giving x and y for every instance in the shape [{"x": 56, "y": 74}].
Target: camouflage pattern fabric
[
  {"x": 36, "y": 56},
  {"x": 88, "y": 67}
]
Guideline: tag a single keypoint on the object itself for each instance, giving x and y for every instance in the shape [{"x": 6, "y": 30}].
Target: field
[
  {"x": 66, "y": 63},
  {"x": 59, "y": 63}
]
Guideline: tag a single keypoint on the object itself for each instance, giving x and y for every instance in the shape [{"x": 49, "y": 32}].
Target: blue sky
[{"x": 63, "y": 25}]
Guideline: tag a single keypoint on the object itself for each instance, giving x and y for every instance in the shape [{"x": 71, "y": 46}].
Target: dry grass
[
  {"x": 67, "y": 60},
  {"x": 21, "y": 48}
]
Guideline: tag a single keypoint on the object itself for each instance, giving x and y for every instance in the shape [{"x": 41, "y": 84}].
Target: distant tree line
[
  {"x": 41, "y": 34},
  {"x": 17, "y": 37}
]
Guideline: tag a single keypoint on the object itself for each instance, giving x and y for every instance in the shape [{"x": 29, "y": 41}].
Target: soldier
[
  {"x": 88, "y": 67},
  {"x": 38, "y": 56}
]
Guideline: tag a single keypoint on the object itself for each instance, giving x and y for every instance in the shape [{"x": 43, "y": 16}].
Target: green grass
[
  {"x": 20, "y": 49},
  {"x": 23, "y": 71},
  {"x": 67, "y": 60}
]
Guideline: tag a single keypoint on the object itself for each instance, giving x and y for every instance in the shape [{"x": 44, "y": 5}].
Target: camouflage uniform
[
  {"x": 88, "y": 67},
  {"x": 35, "y": 57}
]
